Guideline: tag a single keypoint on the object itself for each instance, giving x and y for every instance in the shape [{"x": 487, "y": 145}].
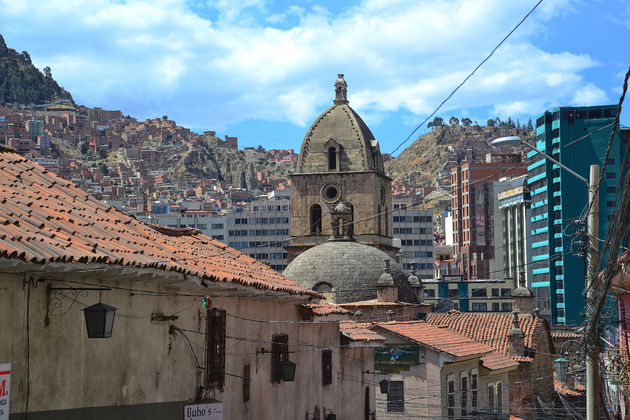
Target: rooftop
[{"x": 47, "y": 219}]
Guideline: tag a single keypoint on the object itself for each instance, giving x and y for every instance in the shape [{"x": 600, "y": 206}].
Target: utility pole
[{"x": 592, "y": 348}]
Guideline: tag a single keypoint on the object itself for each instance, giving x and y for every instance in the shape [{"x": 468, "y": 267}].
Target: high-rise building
[
  {"x": 474, "y": 189},
  {"x": 413, "y": 232},
  {"x": 577, "y": 137},
  {"x": 514, "y": 203}
]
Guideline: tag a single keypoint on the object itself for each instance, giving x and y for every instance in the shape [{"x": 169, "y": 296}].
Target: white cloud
[
  {"x": 219, "y": 63},
  {"x": 589, "y": 95}
]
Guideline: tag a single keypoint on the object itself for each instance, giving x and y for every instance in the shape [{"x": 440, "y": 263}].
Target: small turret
[
  {"x": 516, "y": 338},
  {"x": 416, "y": 283},
  {"x": 341, "y": 91},
  {"x": 523, "y": 298},
  {"x": 386, "y": 289}
]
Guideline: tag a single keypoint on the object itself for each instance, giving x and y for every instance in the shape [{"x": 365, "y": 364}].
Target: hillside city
[{"x": 457, "y": 279}]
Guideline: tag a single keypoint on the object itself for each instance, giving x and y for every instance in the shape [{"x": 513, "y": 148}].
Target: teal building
[{"x": 559, "y": 198}]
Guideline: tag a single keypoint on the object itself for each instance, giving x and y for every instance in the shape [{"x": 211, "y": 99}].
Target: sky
[{"x": 264, "y": 70}]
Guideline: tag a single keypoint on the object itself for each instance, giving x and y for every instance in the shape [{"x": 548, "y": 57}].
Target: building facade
[
  {"x": 474, "y": 187},
  {"x": 514, "y": 203},
  {"x": 559, "y": 198},
  {"x": 455, "y": 292},
  {"x": 413, "y": 233}
]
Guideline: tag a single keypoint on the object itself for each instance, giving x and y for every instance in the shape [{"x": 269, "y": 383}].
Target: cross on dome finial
[{"x": 341, "y": 90}]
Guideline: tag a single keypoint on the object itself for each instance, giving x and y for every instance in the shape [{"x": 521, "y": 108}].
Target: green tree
[
  {"x": 165, "y": 117},
  {"x": 84, "y": 148},
  {"x": 437, "y": 122},
  {"x": 491, "y": 122},
  {"x": 104, "y": 169},
  {"x": 102, "y": 153},
  {"x": 530, "y": 126},
  {"x": 453, "y": 122},
  {"x": 466, "y": 122}
]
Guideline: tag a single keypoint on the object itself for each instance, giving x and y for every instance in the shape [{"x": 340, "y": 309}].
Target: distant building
[
  {"x": 35, "y": 129},
  {"x": 559, "y": 198},
  {"x": 413, "y": 232},
  {"x": 515, "y": 235},
  {"x": 455, "y": 292},
  {"x": 474, "y": 188}
]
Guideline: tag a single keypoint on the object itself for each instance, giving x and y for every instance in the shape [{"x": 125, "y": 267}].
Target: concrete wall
[{"x": 133, "y": 374}]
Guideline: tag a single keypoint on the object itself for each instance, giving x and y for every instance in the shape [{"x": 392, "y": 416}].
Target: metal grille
[
  {"x": 215, "y": 348},
  {"x": 279, "y": 355}
]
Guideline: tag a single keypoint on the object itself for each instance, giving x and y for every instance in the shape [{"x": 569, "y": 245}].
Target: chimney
[
  {"x": 516, "y": 338},
  {"x": 386, "y": 290},
  {"x": 523, "y": 298},
  {"x": 416, "y": 283}
]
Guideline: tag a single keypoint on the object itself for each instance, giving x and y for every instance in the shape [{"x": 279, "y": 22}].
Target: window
[
  {"x": 496, "y": 307},
  {"x": 611, "y": 189},
  {"x": 506, "y": 307},
  {"x": 246, "y": 381},
  {"x": 610, "y": 203},
  {"x": 279, "y": 355},
  {"x": 452, "y": 293},
  {"x": 499, "y": 398},
  {"x": 332, "y": 158},
  {"x": 464, "y": 394},
  {"x": 215, "y": 351},
  {"x": 326, "y": 367},
  {"x": 595, "y": 113},
  {"x": 611, "y": 175},
  {"x": 450, "y": 399},
  {"x": 495, "y": 292},
  {"x": 316, "y": 219},
  {"x": 480, "y": 307},
  {"x": 491, "y": 398},
  {"x": 479, "y": 293},
  {"x": 506, "y": 292},
  {"x": 473, "y": 391},
  {"x": 396, "y": 397},
  {"x": 429, "y": 293}
]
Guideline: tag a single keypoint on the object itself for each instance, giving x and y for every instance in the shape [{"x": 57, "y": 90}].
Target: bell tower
[{"x": 340, "y": 163}]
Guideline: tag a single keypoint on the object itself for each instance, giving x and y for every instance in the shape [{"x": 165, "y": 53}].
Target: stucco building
[{"x": 195, "y": 322}]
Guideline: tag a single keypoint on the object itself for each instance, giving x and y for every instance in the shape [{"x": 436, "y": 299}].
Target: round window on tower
[{"x": 331, "y": 193}]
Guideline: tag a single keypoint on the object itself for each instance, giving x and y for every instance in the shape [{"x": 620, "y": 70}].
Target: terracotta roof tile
[
  {"x": 441, "y": 339},
  {"x": 44, "y": 218},
  {"x": 356, "y": 331},
  {"x": 491, "y": 328}
]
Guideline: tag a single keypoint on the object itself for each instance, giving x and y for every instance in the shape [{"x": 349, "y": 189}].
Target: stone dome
[
  {"x": 343, "y": 129},
  {"x": 350, "y": 269}
]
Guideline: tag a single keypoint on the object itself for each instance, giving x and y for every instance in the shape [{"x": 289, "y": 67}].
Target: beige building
[
  {"x": 432, "y": 372},
  {"x": 194, "y": 322}
]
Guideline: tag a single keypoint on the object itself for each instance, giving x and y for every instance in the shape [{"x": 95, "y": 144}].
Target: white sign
[
  {"x": 213, "y": 411},
  {"x": 5, "y": 387}
]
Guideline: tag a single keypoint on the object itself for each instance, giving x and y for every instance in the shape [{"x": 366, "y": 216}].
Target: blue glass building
[{"x": 559, "y": 198}]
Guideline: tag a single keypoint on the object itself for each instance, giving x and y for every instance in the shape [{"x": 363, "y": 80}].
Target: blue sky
[{"x": 264, "y": 70}]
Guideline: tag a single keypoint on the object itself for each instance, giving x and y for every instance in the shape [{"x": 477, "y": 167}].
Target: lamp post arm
[{"x": 572, "y": 172}]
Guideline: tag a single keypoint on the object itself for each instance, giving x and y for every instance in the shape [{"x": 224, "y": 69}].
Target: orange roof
[
  {"x": 44, "y": 218},
  {"x": 441, "y": 339},
  {"x": 356, "y": 331},
  {"x": 491, "y": 328}
]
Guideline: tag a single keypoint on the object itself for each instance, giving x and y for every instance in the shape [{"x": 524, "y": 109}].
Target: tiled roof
[
  {"x": 44, "y": 218},
  {"x": 495, "y": 361},
  {"x": 324, "y": 308},
  {"x": 356, "y": 331},
  {"x": 441, "y": 339},
  {"x": 491, "y": 328}
]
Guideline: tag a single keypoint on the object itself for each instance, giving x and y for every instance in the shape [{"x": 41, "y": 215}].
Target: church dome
[
  {"x": 348, "y": 270},
  {"x": 342, "y": 129}
]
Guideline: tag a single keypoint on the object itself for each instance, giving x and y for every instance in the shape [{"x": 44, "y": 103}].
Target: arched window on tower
[
  {"x": 386, "y": 216},
  {"x": 316, "y": 219},
  {"x": 378, "y": 218},
  {"x": 332, "y": 158}
]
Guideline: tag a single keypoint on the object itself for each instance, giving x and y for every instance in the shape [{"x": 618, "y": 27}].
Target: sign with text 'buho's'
[
  {"x": 5, "y": 388},
  {"x": 211, "y": 411}
]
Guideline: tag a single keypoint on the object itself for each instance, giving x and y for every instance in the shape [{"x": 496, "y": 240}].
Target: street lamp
[
  {"x": 562, "y": 367},
  {"x": 99, "y": 320},
  {"x": 288, "y": 371}
]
